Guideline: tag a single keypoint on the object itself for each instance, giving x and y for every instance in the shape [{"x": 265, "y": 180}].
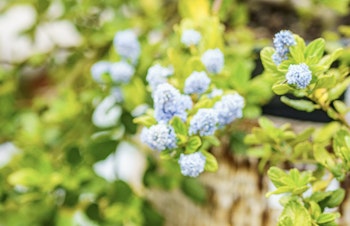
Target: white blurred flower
[{"x": 107, "y": 113}]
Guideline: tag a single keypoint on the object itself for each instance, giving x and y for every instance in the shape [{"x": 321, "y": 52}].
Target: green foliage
[
  {"x": 327, "y": 147},
  {"x": 275, "y": 145},
  {"x": 51, "y": 180}
]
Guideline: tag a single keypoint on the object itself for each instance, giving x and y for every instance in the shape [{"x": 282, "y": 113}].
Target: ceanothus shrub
[
  {"x": 305, "y": 72},
  {"x": 190, "y": 104}
]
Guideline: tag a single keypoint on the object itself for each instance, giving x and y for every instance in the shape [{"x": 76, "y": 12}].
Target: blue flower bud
[
  {"x": 192, "y": 164},
  {"x": 282, "y": 41},
  {"x": 197, "y": 83},
  {"x": 229, "y": 108},
  {"x": 127, "y": 45},
  {"x": 299, "y": 75},
  {"x": 213, "y": 60},
  {"x": 121, "y": 72},
  {"x": 157, "y": 75},
  {"x": 98, "y": 69},
  {"x": 204, "y": 122},
  {"x": 159, "y": 137},
  {"x": 168, "y": 102},
  {"x": 190, "y": 37}
]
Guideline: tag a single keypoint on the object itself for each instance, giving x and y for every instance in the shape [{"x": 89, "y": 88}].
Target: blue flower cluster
[
  {"x": 169, "y": 102},
  {"x": 299, "y": 75},
  {"x": 158, "y": 74},
  {"x": 192, "y": 164},
  {"x": 213, "y": 60},
  {"x": 99, "y": 69},
  {"x": 121, "y": 72},
  {"x": 127, "y": 45},
  {"x": 204, "y": 122},
  {"x": 190, "y": 37},
  {"x": 282, "y": 41},
  {"x": 229, "y": 108},
  {"x": 197, "y": 83},
  {"x": 159, "y": 137}
]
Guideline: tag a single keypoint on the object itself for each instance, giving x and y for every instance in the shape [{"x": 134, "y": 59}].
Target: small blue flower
[
  {"x": 190, "y": 37},
  {"x": 229, "y": 108},
  {"x": 192, "y": 164},
  {"x": 159, "y": 137},
  {"x": 186, "y": 102},
  {"x": 204, "y": 122},
  {"x": 277, "y": 59},
  {"x": 213, "y": 60},
  {"x": 282, "y": 41},
  {"x": 299, "y": 75},
  {"x": 121, "y": 72},
  {"x": 168, "y": 102},
  {"x": 197, "y": 82},
  {"x": 98, "y": 69},
  {"x": 127, "y": 45},
  {"x": 158, "y": 74}
]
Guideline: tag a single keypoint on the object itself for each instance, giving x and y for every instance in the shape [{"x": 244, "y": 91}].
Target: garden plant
[{"x": 179, "y": 86}]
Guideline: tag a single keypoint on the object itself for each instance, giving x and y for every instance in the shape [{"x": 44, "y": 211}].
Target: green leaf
[
  {"x": 325, "y": 81},
  {"x": 145, "y": 120},
  {"x": 211, "y": 163},
  {"x": 297, "y": 54},
  {"x": 329, "y": 59},
  {"x": 327, "y": 218},
  {"x": 302, "y": 148},
  {"x": 179, "y": 126},
  {"x": 295, "y": 214},
  {"x": 194, "y": 190},
  {"x": 340, "y": 106},
  {"x": 325, "y": 133},
  {"x": 339, "y": 89},
  {"x": 266, "y": 59},
  {"x": 203, "y": 103},
  {"x": 315, "y": 50},
  {"x": 315, "y": 209},
  {"x": 213, "y": 140},
  {"x": 303, "y": 136},
  {"x": 336, "y": 198},
  {"x": 301, "y": 105},
  {"x": 25, "y": 177},
  {"x": 266, "y": 124},
  {"x": 120, "y": 191},
  {"x": 322, "y": 156},
  {"x": 193, "y": 144},
  {"x": 276, "y": 175},
  {"x": 281, "y": 89},
  {"x": 280, "y": 190},
  {"x": 73, "y": 155},
  {"x": 93, "y": 212},
  {"x": 100, "y": 149},
  {"x": 251, "y": 139}
]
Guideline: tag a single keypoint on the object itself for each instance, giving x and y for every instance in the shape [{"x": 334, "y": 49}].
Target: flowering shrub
[
  {"x": 173, "y": 89},
  {"x": 305, "y": 72}
]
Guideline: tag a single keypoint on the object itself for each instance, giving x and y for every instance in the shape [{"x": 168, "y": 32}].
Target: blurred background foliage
[{"x": 47, "y": 98}]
